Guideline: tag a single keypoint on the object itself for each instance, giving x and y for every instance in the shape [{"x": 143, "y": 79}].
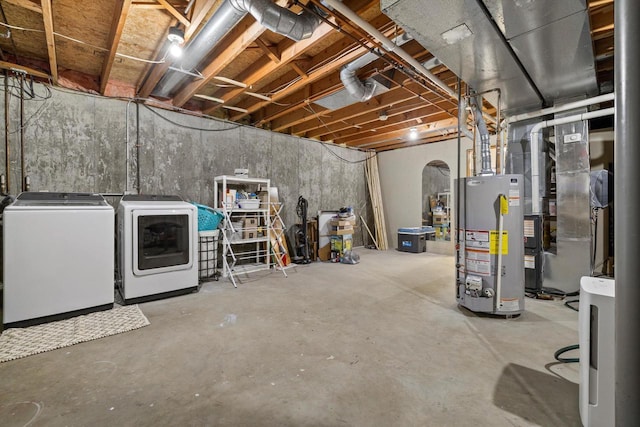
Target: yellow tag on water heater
[{"x": 504, "y": 205}]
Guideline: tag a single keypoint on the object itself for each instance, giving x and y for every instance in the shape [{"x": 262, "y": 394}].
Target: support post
[{"x": 627, "y": 205}]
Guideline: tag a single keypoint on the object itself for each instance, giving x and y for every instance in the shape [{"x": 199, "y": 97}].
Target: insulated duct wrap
[{"x": 278, "y": 19}]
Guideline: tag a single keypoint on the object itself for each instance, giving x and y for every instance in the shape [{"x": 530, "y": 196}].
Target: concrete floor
[{"x": 381, "y": 343}]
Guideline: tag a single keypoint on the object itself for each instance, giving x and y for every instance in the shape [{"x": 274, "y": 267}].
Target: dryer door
[{"x": 162, "y": 241}]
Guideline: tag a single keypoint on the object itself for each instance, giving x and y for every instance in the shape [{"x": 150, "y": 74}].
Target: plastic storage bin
[
  {"x": 249, "y": 203},
  {"x": 412, "y": 239}
]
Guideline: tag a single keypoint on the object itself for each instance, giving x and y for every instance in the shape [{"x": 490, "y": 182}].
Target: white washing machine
[
  {"x": 157, "y": 247},
  {"x": 58, "y": 257}
]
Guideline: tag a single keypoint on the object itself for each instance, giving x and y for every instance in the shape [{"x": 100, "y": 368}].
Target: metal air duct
[
  {"x": 363, "y": 91},
  {"x": 485, "y": 144},
  {"x": 230, "y": 12},
  {"x": 278, "y": 19},
  {"x": 223, "y": 20}
]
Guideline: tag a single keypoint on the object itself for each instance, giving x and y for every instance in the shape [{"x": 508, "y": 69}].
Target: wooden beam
[
  {"x": 117, "y": 25},
  {"x": 317, "y": 74},
  {"x": 395, "y": 121},
  {"x": 399, "y": 97},
  {"x": 242, "y": 36},
  {"x": 418, "y": 117},
  {"x": 47, "y": 17},
  {"x": 270, "y": 51},
  {"x": 374, "y": 137},
  {"x": 299, "y": 70},
  {"x": 21, "y": 68},
  {"x": 157, "y": 71},
  {"x": 147, "y": 6},
  {"x": 172, "y": 10},
  {"x": 400, "y": 143},
  {"x": 200, "y": 11},
  {"x": 289, "y": 51},
  {"x": 27, "y": 4}
]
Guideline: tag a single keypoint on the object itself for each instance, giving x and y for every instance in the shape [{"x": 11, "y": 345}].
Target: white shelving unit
[{"x": 246, "y": 241}]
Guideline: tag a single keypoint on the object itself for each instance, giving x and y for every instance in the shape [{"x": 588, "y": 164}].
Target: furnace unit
[{"x": 490, "y": 260}]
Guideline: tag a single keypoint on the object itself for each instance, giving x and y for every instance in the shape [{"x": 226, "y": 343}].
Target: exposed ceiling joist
[
  {"x": 289, "y": 51},
  {"x": 254, "y": 75},
  {"x": 27, "y": 4},
  {"x": 47, "y": 16},
  {"x": 270, "y": 51},
  {"x": 317, "y": 74},
  {"x": 248, "y": 32},
  {"x": 201, "y": 10},
  {"x": 119, "y": 17},
  {"x": 22, "y": 69},
  {"x": 403, "y": 134},
  {"x": 173, "y": 11}
]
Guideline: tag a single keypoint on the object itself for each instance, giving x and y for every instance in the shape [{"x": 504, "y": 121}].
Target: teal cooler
[{"x": 412, "y": 239}]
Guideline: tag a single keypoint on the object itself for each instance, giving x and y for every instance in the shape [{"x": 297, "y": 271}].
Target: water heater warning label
[
  {"x": 514, "y": 198},
  {"x": 482, "y": 268}
]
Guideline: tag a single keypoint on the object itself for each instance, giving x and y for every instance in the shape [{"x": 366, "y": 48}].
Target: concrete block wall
[{"x": 77, "y": 142}]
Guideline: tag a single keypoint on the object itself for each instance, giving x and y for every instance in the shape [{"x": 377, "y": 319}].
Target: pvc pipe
[
  {"x": 389, "y": 46},
  {"x": 564, "y": 107},
  {"x": 534, "y": 136}
]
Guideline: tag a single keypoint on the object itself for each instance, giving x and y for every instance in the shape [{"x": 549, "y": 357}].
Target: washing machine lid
[{"x": 35, "y": 198}]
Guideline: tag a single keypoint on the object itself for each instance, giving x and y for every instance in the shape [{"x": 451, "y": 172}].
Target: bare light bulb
[
  {"x": 413, "y": 133},
  {"x": 175, "y": 50}
]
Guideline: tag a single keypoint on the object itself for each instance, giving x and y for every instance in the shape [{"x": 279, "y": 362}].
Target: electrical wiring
[
  {"x": 33, "y": 96},
  {"x": 569, "y": 302},
  {"x": 236, "y": 126},
  {"x": 49, "y": 89},
  {"x": 122, "y": 55},
  {"x": 563, "y": 350}
]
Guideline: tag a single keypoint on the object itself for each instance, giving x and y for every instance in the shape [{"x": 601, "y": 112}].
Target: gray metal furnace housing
[{"x": 478, "y": 286}]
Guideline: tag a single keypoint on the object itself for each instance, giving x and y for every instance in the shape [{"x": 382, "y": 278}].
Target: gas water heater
[{"x": 490, "y": 244}]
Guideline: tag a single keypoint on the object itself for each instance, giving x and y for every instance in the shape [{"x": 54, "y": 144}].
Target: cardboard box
[
  {"x": 440, "y": 218},
  {"x": 342, "y": 243},
  {"x": 250, "y": 228},
  {"x": 324, "y": 253},
  {"x": 340, "y": 231},
  {"x": 341, "y": 227},
  {"x": 337, "y": 222}
]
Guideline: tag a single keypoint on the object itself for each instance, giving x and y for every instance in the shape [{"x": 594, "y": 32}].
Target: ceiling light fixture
[
  {"x": 413, "y": 134},
  {"x": 176, "y": 38},
  {"x": 383, "y": 116}
]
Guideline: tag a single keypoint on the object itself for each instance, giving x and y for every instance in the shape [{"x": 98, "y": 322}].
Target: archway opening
[{"x": 436, "y": 199}]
